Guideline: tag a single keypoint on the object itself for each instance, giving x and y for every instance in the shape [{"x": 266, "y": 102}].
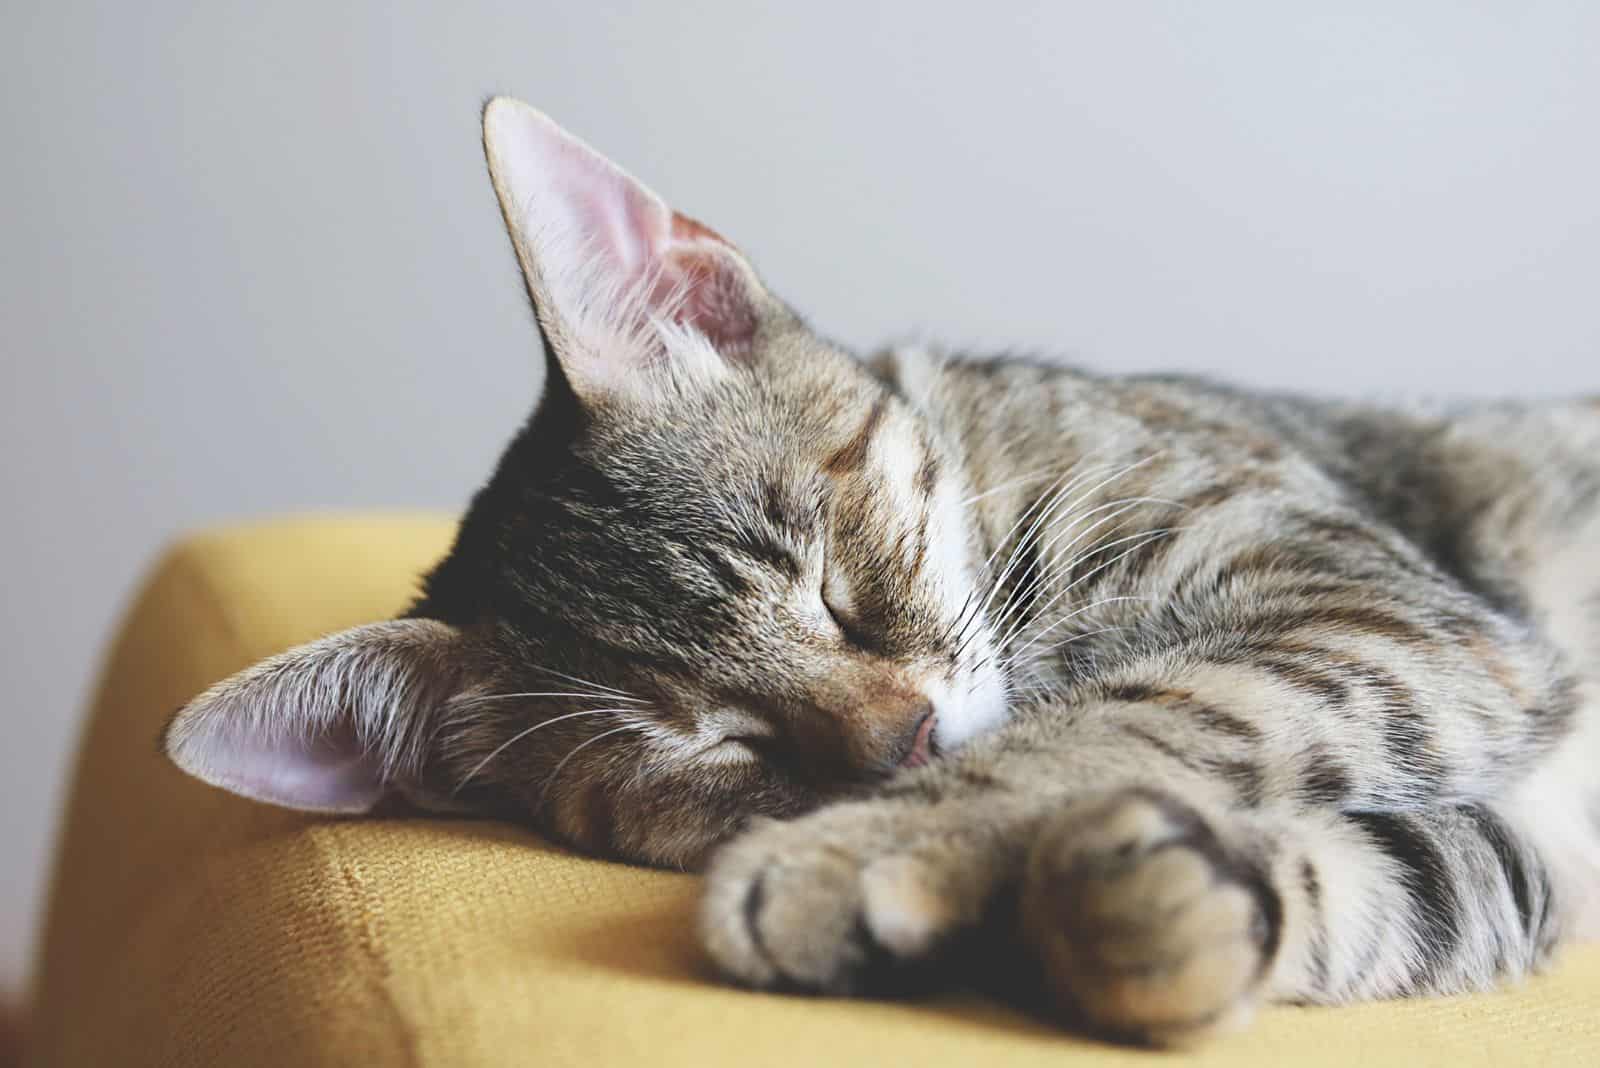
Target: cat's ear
[
  {"x": 330, "y": 726},
  {"x": 627, "y": 290}
]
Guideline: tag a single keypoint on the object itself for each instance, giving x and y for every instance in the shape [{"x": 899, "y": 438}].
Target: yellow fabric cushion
[{"x": 188, "y": 927}]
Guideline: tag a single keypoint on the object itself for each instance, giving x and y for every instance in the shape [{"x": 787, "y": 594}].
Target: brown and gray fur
[{"x": 1234, "y": 697}]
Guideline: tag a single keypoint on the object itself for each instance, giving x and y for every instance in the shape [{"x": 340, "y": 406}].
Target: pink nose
[{"x": 921, "y": 751}]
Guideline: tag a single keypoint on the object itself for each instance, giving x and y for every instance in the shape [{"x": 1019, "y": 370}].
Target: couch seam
[
  {"x": 336, "y": 864},
  {"x": 366, "y": 922}
]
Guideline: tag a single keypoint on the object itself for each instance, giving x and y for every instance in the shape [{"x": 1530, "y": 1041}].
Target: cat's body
[
  {"x": 1211, "y": 697},
  {"x": 1337, "y": 659}
]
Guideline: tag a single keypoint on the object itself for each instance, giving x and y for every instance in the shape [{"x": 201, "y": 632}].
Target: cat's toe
[
  {"x": 778, "y": 914},
  {"x": 1147, "y": 925},
  {"x": 825, "y": 904}
]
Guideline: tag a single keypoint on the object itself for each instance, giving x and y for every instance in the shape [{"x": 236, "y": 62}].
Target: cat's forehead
[{"x": 787, "y": 429}]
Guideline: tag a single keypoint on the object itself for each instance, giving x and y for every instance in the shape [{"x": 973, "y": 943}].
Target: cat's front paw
[
  {"x": 847, "y": 900},
  {"x": 1147, "y": 924}
]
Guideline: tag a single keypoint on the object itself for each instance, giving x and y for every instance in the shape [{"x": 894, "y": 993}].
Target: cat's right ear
[
  {"x": 632, "y": 296},
  {"x": 330, "y": 726}
]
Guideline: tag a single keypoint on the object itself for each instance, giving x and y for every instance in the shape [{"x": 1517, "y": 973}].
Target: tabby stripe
[
  {"x": 1211, "y": 495},
  {"x": 1305, "y": 675},
  {"x": 1223, "y": 722},
  {"x": 1410, "y": 738},
  {"x": 1147, "y": 556},
  {"x": 1407, "y": 730},
  {"x": 1524, "y": 883},
  {"x": 920, "y": 557},
  {"x": 767, "y": 552},
  {"x": 1161, "y": 745},
  {"x": 1427, "y": 879},
  {"x": 1326, "y": 781},
  {"x": 1245, "y": 778},
  {"x": 1363, "y": 620},
  {"x": 1318, "y": 563},
  {"x": 1552, "y": 720},
  {"x": 1299, "y": 674},
  {"x": 722, "y": 569},
  {"x": 1316, "y": 922},
  {"x": 1341, "y": 534},
  {"x": 1185, "y": 702},
  {"x": 979, "y": 780},
  {"x": 928, "y": 473},
  {"x": 853, "y": 455}
]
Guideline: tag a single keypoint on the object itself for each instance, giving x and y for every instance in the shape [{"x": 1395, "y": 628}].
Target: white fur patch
[{"x": 974, "y": 704}]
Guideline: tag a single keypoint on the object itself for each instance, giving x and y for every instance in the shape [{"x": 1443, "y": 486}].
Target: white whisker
[
  {"x": 1047, "y": 503},
  {"x": 1057, "y": 497},
  {"x": 1053, "y": 646},
  {"x": 1009, "y": 484},
  {"x": 1048, "y": 575},
  {"x": 1148, "y": 538},
  {"x": 477, "y": 698},
  {"x": 590, "y": 683},
  {"x": 503, "y": 746},
  {"x": 1080, "y": 611},
  {"x": 576, "y": 750},
  {"x": 1019, "y": 625}
]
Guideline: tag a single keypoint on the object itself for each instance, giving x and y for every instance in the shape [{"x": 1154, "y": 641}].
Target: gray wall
[{"x": 252, "y": 263}]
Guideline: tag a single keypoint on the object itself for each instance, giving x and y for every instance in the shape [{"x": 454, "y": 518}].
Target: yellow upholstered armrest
[{"x": 189, "y": 927}]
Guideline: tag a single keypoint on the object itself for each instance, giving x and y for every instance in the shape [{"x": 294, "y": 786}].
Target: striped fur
[
  {"x": 1176, "y": 698},
  {"x": 1238, "y": 697},
  {"x": 1344, "y": 700}
]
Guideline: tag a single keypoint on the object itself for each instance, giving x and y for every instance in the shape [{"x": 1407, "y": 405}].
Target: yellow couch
[{"x": 188, "y": 927}]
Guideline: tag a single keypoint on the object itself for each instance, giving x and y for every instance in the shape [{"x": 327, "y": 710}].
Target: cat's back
[
  {"x": 1504, "y": 495},
  {"x": 1496, "y": 492},
  {"x": 1438, "y": 471}
]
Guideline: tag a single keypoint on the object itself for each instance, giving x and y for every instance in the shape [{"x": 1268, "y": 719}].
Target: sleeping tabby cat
[{"x": 1213, "y": 697}]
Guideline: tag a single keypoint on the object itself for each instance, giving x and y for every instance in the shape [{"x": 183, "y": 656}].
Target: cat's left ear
[
  {"x": 629, "y": 293},
  {"x": 330, "y": 726}
]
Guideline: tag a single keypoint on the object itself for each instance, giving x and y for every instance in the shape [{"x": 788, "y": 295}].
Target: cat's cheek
[{"x": 677, "y": 820}]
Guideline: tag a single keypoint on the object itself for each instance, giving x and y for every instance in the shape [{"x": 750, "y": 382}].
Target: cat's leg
[
  {"x": 1213, "y": 888},
  {"x": 1158, "y": 921},
  {"x": 862, "y": 894}
]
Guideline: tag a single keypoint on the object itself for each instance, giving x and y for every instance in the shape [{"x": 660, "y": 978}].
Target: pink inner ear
[
  {"x": 619, "y": 224},
  {"x": 696, "y": 262},
  {"x": 329, "y": 774},
  {"x": 594, "y": 233}
]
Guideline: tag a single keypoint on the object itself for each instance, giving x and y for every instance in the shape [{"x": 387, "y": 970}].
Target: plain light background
[{"x": 252, "y": 264}]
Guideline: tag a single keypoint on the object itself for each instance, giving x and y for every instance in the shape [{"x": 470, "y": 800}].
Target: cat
[{"x": 1208, "y": 698}]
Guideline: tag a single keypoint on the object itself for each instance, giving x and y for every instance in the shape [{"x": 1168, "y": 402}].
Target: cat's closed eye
[
  {"x": 738, "y": 749},
  {"x": 840, "y": 604}
]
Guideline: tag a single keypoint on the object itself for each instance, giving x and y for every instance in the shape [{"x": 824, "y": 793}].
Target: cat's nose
[
  {"x": 864, "y": 733},
  {"x": 917, "y": 747}
]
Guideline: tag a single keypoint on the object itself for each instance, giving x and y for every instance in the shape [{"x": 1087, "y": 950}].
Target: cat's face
[
  {"x": 748, "y": 599},
  {"x": 723, "y": 571}
]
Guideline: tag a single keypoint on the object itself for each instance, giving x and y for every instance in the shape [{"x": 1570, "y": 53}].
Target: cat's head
[{"x": 724, "y": 570}]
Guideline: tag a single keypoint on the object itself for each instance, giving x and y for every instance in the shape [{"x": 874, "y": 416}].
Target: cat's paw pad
[
  {"x": 835, "y": 903},
  {"x": 1147, "y": 925}
]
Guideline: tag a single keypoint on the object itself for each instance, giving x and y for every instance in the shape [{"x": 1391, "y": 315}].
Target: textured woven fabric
[{"x": 187, "y": 927}]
